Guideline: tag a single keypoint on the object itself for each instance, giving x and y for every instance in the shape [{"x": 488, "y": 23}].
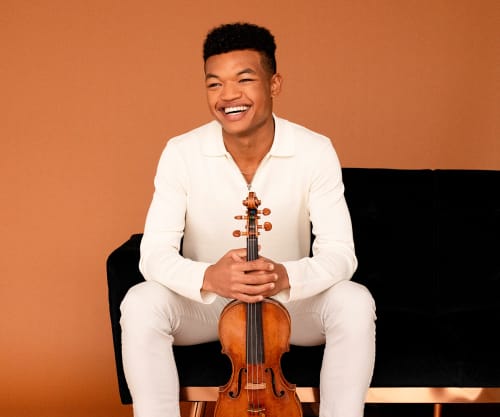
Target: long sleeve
[
  {"x": 333, "y": 253},
  {"x": 164, "y": 229}
]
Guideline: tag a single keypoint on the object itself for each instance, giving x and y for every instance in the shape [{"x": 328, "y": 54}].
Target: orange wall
[{"x": 90, "y": 90}]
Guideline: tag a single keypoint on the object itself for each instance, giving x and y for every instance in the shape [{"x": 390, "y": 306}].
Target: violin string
[
  {"x": 251, "y": 323},
  {"x": 254, "y": 323},
  {"x": 254, "y": 377},
  {"x": 254, "y": 333}
]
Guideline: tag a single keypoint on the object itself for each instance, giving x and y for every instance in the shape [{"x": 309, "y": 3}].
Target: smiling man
[{"x": 201, "y": 179}]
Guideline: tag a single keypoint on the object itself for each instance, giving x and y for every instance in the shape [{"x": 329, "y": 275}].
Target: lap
[
  {"x": 188, "y": 321},
  {"x": 192, "y": 322},
  {"x": 344, "y": 302}
]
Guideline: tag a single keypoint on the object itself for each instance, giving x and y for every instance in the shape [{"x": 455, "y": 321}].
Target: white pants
[{"x": 154, "y": 318}]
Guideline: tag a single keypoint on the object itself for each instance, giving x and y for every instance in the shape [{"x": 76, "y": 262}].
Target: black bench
[{"x": 428, "y": 245}]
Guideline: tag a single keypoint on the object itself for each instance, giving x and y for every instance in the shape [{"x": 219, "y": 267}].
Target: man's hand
[{"x": 249, "y": 281}]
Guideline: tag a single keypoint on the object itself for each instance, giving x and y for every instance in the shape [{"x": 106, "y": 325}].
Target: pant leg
[
  {"x": 153, "y": 318},
  {"x": 342, "y": 317}
]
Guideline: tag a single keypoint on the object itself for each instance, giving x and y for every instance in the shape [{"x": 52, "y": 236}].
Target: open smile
[{"x": 235, "y": 109}]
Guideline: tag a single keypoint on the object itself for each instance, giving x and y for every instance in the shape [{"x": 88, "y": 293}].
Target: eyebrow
[
  {"x": 208, "y": 75},
  {"x": 243, "y": 71},
  {"x": 246, "y": 71}
]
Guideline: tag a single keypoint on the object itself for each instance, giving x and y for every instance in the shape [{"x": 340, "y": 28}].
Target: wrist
[{"x": 206, "y": 284}]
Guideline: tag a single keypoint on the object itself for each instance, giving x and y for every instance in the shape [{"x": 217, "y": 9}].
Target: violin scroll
[{"x": 252, "y": 217}]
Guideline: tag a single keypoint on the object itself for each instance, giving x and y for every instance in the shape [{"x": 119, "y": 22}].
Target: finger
[
  {"x": 258, "y": 289},
  {"x": 261, "y": 279},
  {"x": 260, "y": 264},
  {"x": 250, "y": 299},
  {"x": 238, "y": 255}
]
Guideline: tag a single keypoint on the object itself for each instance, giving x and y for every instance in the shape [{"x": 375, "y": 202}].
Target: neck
[{"x": 248, "y": 150}]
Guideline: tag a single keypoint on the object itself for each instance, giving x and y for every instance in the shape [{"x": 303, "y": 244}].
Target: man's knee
[
  {"x": 145, "y": 303},
  {"x": 352, "y": 300}
]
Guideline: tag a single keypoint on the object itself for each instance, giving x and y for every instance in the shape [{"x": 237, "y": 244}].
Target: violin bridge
[{"x": 255, "y": 386}]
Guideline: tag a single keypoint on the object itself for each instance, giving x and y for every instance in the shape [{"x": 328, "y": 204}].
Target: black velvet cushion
[
  {"x": 122, "y": 269},
  {"x": 391, "y": 214},
  {"x": 468, "y": 267},
  {"x": 468, "y": 233},
  {"x": 428, "y": 245}
]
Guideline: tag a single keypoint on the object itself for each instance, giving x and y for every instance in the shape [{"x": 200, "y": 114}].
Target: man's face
[{"x": 240, "y": 91}]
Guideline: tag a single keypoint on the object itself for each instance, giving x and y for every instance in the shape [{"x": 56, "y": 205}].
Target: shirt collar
[{"x": 283, "y": 143}]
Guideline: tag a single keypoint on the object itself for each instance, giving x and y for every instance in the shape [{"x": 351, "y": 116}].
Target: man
[{"x": 201, "y": 180}]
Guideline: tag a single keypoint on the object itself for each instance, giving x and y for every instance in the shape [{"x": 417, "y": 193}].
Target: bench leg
[
  {"x": 197, "y": 409},
  {"x": 437, "y": 410}
]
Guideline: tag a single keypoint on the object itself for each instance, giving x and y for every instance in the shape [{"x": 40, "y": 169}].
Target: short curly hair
[{"x": 240, "y": 36}]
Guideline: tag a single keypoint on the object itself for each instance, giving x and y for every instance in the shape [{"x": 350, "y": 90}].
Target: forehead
[{"x": 232, "y": 63}]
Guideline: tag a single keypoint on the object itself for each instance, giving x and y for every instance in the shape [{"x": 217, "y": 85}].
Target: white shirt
[{"x": 199, "y": 189}]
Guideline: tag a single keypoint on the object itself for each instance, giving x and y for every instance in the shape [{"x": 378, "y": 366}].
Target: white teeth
[{"x": 236, "y": 109}]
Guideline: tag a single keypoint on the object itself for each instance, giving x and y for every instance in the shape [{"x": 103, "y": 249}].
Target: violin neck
[
  {"x": 252, "y": 249},
  {"x": 255, "y": 342}
]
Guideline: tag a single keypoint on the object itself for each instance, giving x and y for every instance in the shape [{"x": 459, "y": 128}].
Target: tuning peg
[
  {"x": 265, "y": 212},
  {"x": 266, "y": 226},
  {"x": 238, "y": 233}
]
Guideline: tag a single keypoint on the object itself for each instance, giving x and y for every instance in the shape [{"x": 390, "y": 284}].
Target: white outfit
[{"x": 198, "y": 191}]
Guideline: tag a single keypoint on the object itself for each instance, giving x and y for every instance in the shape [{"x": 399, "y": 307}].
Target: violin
[{"x": 255, "y": 336}]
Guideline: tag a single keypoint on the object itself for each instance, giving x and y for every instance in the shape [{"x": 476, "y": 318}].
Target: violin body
[
  {"x": 254, "y": 336},
  {"x": 256, "y": 389}
]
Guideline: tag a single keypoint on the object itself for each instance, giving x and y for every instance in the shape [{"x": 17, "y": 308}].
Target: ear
[{"x": 276, "y": 82}]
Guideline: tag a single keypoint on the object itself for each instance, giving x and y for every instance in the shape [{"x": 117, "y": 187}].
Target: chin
[{"x": 234, "y": 128}]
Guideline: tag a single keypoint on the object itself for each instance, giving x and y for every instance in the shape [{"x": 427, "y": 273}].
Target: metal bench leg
[
  {"x": 437, "y": 410},
  {"x": 197, "y": 409}
]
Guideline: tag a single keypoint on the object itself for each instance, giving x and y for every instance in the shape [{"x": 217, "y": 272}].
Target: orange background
[{"x": 90, "y": 91}]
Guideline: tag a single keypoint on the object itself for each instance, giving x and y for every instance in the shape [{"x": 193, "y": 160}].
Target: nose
[{"x": 230, "y": 91}]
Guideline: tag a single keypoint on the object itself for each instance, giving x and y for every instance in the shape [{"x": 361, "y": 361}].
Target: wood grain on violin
[{"x": 255, "y": 336}]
